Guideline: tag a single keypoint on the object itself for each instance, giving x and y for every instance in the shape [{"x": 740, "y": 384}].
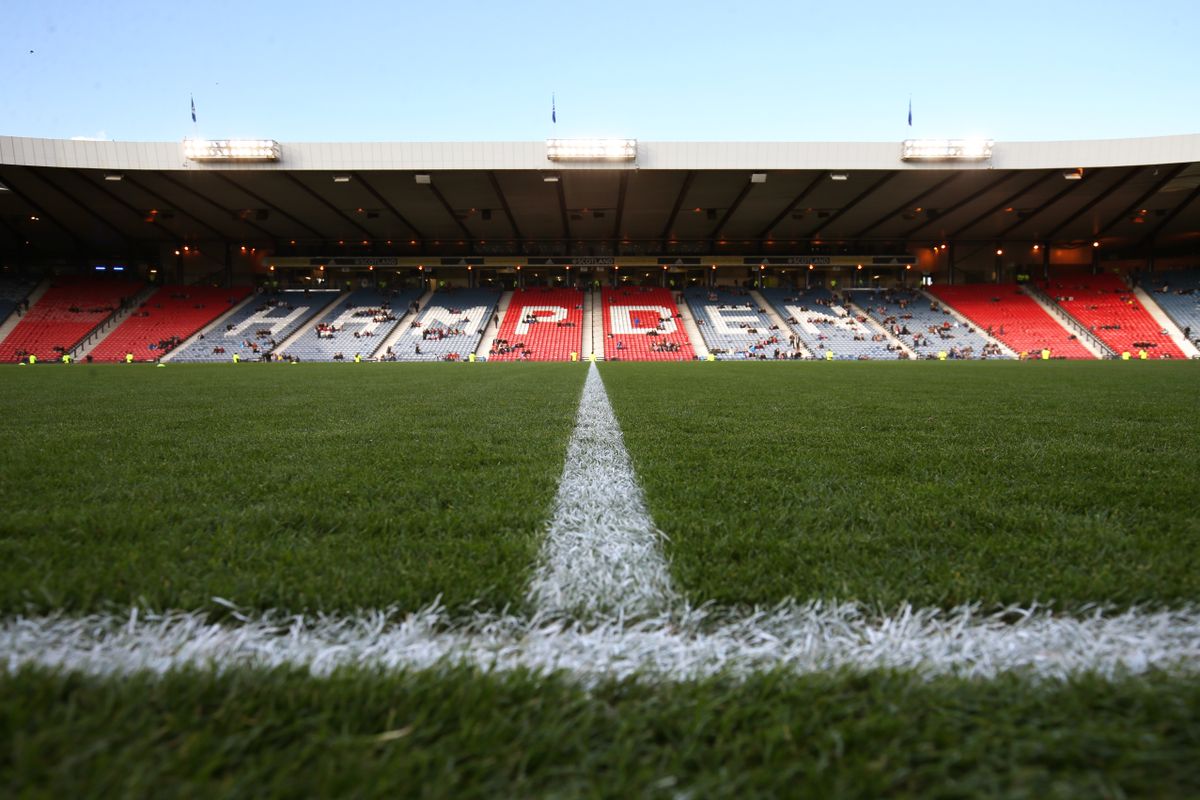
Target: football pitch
[{"x": 326, "y": 492}]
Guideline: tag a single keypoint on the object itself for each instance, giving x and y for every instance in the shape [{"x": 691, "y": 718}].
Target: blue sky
[{"x": 465, "y": 70}]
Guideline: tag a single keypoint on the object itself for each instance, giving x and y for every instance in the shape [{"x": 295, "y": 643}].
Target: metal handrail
[{"x": 1070, "y": 319}]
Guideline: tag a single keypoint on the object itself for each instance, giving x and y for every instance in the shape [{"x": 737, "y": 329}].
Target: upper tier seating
[
  {"x": 733, "y": 327},
  {"x": 165, "y": 320},
  {"x": 357, "y": 325},
  {"x": 257, "y": 328},
  {"x": 12, "y": 292},
  {"x": 926, "y": 327},
  {"x": 823, "y": 324},
  {"x": 1012, "y": 317},
  {"x": 64, "y": 314},
  {"x": 642, "y": 324},
  {"x": 1178, "y": 294},
  {"x": 449, "y": 327},
  {"x": 1112, "y": 313},
  {"x": 541, "y": 324}
]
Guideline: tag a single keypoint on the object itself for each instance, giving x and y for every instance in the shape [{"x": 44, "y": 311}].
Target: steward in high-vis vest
[
  {"x": 358, "y": 358},
  {"x": 129, "y": 358},
  {"x": 236, "y": 358},
  {"x": 66, "y": 359}
]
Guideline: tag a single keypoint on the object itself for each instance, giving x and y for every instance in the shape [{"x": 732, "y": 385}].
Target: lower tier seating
[
  {"x": 925, "y": 326},
  {"x": 256, "y": 329},
  {"x": 643, "y": 324},
  {"x": 1113, "y": 314},
  {"x": 1178, "y": 294},
  {"x": 820, "y": 320},
  {"x": 165, "y": 320},
  {"x": 1013, "y": 317},
  {"x": 734, "y": 327},
  {"x": 357, "y": 326},
  {"x": 13, "y": 291},
  {"x": 541, "y": 324},
  {"x": 449, "y": 327},
  {"x": 64, "y": 314}
]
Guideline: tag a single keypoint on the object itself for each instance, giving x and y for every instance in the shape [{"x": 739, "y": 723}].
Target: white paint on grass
[
  {"x": 799, "y": 639},
  {"x": 601, "y": 553}
]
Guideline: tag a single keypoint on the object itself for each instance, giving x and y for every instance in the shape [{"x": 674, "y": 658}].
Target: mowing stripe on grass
[
  {"x": 601, "y": 552},
  {"x": 672, "y": 647}
]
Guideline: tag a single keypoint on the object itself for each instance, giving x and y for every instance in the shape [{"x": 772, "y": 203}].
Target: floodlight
[
  {"x": 423, "y": 179},
  {"x": 591, "y": 149},
  {"x": 113, "y": 177},
  {"x": 946, "y": 149},
  {"x": 839, "y": 176},
  {"x": 341, "y": 178},
  {"x": 231, "y": 149}
]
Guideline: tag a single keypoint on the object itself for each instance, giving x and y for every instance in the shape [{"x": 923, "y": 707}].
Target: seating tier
[
  {"x": 1113, "y": 314},
  {"x": 925, "y": 326},
  {"x": 541, "y": 324},
  {"x": 165, "y": 320},
  {"x": 359, "y": 324},
  {"x": 64, "y": 314},
  {"x": 257, "y": 328},
  {"x": 1013, "y": 317},
  {"x": 449, "y": 327},
  {"x": 643, "y": 324},
  {"x": 733, "y": 327},
  {"x": 821, "y": 321}
]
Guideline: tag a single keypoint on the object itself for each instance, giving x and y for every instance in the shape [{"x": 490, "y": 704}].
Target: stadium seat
[
  {"x": 165, "y": 320},
  {"x": 926, "y": 327},
  {"x": 449, "y": 327},
  {"x": 642, "y": 324},
  {"x": 1109, "y": 309},
  {"x": 541, "y": 324},
  {"x": 1178, "y": 295},
  {"x": 256, "y": 329},
  {"x": 822, "y": 322},
  {"x": 69, "y": 309},
  {"x": 733, "y": 327},
  {"x": 358, "y": 325},
  {"x": 1013, "y": 317}
]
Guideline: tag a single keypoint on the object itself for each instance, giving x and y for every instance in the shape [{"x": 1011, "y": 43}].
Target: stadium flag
[
  {"x": 553, "y": 110},
  {"x": 910, "y": 111},
  {"x": 193, "y": 109}
]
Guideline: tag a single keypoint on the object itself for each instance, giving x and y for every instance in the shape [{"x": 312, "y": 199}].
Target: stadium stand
[
  {"x": 165, "y": 320},
  {"x": 256, "y": 329},
  {"x": 359, "y": 324},
  {"x": 64, "y": 314},
  {"x": 924, "y": 325},
  {"x": 449, "y": 327},
  {"x": 1178, "y": 295},
  {"x": 542, "y": 324},
  {"x": 1109, "y": 309},
  {"x": 12, "y": 292},
  {"x": 1013, "y": 317},
  {"x": 733, "y": 327},
  {"x": 642, "y": 324},
  {"x": 823, "y": 324}
]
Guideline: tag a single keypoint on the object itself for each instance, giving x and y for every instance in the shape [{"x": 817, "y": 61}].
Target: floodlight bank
[
  {"x": 678, "y": 646},
  {"x": 601, "y": 552}
]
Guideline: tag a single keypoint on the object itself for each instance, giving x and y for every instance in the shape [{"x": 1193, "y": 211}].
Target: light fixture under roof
[
  {"x": 946, "y": 149},
  {"x": 113, "y": 176},
  {"x": 758, "y": 177},
  {"x": 591, "y": 149},
  {"x": 1073, "y": 174},
  {"x": 550, "y": 178},
  {"x": 839, "y": 176},
  {"x": 231, "y": 149},
  {"x": 423, "y": 179},
  {"x": 341, "y": 178}
]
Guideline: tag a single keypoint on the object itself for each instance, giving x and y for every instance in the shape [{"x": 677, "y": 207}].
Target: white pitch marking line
[{"x": 601, "y": 552}]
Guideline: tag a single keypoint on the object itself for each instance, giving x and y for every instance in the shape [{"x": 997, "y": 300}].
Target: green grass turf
[
  {"x": 935, "y": 483},
  {"x": 430, "y": 734},
  {"x": 292, "y": 487}
]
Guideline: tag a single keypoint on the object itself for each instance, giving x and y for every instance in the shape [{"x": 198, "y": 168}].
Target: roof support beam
[
  {"x": 621, "y": 190},
  {"x": 91, "y": 212},
  {"x": 907, "y": 204},
  {"x": 966, "y": 201},
  {"x": 323, "y": 201},
  {"x": 1155, "y": 189},
  {"x": 133, "y": 210},
  {"x": 796, "y": 201},
  {"x": 1002, "y": 204},
  {"x": 224, "y": 211},
  {"x": 1088, "y": 206},
  {"x": 388, "y": 205},
  {"x": 562, "y": 210},
  {"x": 165, "y": 203},
  {"x": 683, "y": 190},
  {"x": 729, "y": 212},
  {"x": 1175, "y": 212},
  {"x": 512, "y": 221},
  {"x": 441, "y": 198},
  {"x": 825, "y": 223},
  {"x": 1059, "y": 195},
  {"x": 43, "y": 214}
]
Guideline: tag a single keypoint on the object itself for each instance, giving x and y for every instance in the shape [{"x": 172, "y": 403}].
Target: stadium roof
[{"x": 493, "y": 198}]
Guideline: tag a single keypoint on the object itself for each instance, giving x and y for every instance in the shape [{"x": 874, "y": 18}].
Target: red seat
[
  {"x": 173, "y": 312},
  {"x": 557, "y": 334},
  {"x": 1012, "y": 317},
  {"x": 64, "y": 314},
  {"x": 1112, "y": 313},
  {"x": 631, "y": 314}
]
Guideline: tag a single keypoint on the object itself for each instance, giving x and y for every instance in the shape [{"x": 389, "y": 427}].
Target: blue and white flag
[
  {"x": 553, "y": 111},
  {"x": 910, "y": 112},
  {"x": 193, "y": 109}
]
